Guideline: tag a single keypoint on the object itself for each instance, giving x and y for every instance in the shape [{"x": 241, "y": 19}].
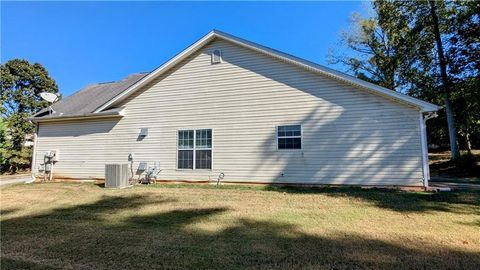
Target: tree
[
  {"x": 4, "y": 144},
  {"x": 386, "y": 49},
  {"x": 21, "y": 83},
  {"x": 464, "y": 55},
  {"x": 424, "y": 49},
  {"x": 452, "y": 130}
]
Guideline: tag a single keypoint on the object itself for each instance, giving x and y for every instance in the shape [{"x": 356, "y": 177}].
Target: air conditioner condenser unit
[{"x": 116, "y": 175}]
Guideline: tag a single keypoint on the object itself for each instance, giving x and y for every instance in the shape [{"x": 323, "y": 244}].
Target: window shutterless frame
[
  {"x": 293, "y": 136},
  {"x": 194, "y": 149},
  {"x": 185, "y": 138}
]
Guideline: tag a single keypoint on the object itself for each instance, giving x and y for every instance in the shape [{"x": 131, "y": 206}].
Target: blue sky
[{"x": 86, "y": 42}]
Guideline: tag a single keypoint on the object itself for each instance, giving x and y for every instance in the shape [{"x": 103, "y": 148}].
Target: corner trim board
[{"x": 34, "y": 153}]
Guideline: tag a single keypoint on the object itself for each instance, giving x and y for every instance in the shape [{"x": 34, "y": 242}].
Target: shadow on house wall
[
  {"x": 343, "y": 143},
  {"x": 77, "y": 128}
]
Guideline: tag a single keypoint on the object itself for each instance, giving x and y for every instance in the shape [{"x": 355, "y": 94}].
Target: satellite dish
[{"x": 50, "y": 97}]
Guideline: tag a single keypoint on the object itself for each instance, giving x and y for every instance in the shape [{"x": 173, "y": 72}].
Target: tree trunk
[
  {"x": 452, "y": 132},
  {"x": 468, "y": 143}
]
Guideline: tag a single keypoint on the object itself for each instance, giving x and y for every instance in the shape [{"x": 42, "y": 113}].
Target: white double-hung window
[
  {"x": 194, "y": 149},
  {"x": 289, "y": 137}
]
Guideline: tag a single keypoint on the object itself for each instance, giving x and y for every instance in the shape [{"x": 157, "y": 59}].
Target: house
[{"x": 257, "y": 115}]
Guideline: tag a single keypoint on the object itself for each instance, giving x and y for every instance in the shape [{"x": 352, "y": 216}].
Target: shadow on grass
[
  {"x": 473, "y": 223},
  {"x": 14, "y": 263},
  {"x": 107, "y": 205},
  {"x": 175, "y": 218},
  {"x": 391, "y": 199},
  {"x": 79, "y": 237},
  {"x": 8, "y": 211},
  {"x": 396, "y": 200}
]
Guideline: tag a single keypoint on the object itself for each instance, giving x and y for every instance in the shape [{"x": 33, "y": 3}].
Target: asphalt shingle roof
[{"x": 88, "y": 99}]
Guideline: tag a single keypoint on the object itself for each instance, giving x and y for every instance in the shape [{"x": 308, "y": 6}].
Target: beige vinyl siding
[{"x": 350, "y": 136}]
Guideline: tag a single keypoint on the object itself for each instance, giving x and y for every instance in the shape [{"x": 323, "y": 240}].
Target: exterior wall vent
[
  {"x": 216, "y": 56},
  {"x": 143, "y": 132}
]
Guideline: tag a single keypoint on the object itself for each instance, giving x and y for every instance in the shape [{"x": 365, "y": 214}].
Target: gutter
[
  {"x": 424, "y": 116},
  {"x": 118, "y": 112}
]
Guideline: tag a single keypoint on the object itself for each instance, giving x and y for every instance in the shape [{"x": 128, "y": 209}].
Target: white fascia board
[
  {"x": 117, "y": 112},
  {"x": 158, "y": 71},
  {"x": 422, "y": 105}
]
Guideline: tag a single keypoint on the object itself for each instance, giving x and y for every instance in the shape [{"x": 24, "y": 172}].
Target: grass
[
  {"x": 466, "y": 170},
  {"x": 84, "y": 226}
]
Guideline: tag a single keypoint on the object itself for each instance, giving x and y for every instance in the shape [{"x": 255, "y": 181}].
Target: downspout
[
  {"x": 33, "y": 155},
  {"x": 423, "y": 135}
]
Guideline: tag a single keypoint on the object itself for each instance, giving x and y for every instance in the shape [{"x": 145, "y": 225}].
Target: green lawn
[{"x": 84, "y": 226}]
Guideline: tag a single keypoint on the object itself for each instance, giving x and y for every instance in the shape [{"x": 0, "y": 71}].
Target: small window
[
  {"x": 216, "y": 56},
  {"x": 289, "y": 137},
  {"x": 194, "y": 149}
]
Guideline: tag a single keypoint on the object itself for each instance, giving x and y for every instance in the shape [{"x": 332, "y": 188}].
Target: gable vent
[{"x": 216, "y": 57}]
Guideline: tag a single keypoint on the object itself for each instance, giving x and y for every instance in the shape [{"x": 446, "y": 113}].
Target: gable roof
[
  {"x": 97, "y": 100},
  {"x": 85, "y": 101},
  {"x": 370, "y": 87}
]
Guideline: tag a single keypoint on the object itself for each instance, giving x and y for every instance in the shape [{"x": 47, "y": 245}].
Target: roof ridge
[
  {"x": 88, "y": 98},
  {"x": 100, "y": 83},
  {"x": 121, "y": 80}
]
